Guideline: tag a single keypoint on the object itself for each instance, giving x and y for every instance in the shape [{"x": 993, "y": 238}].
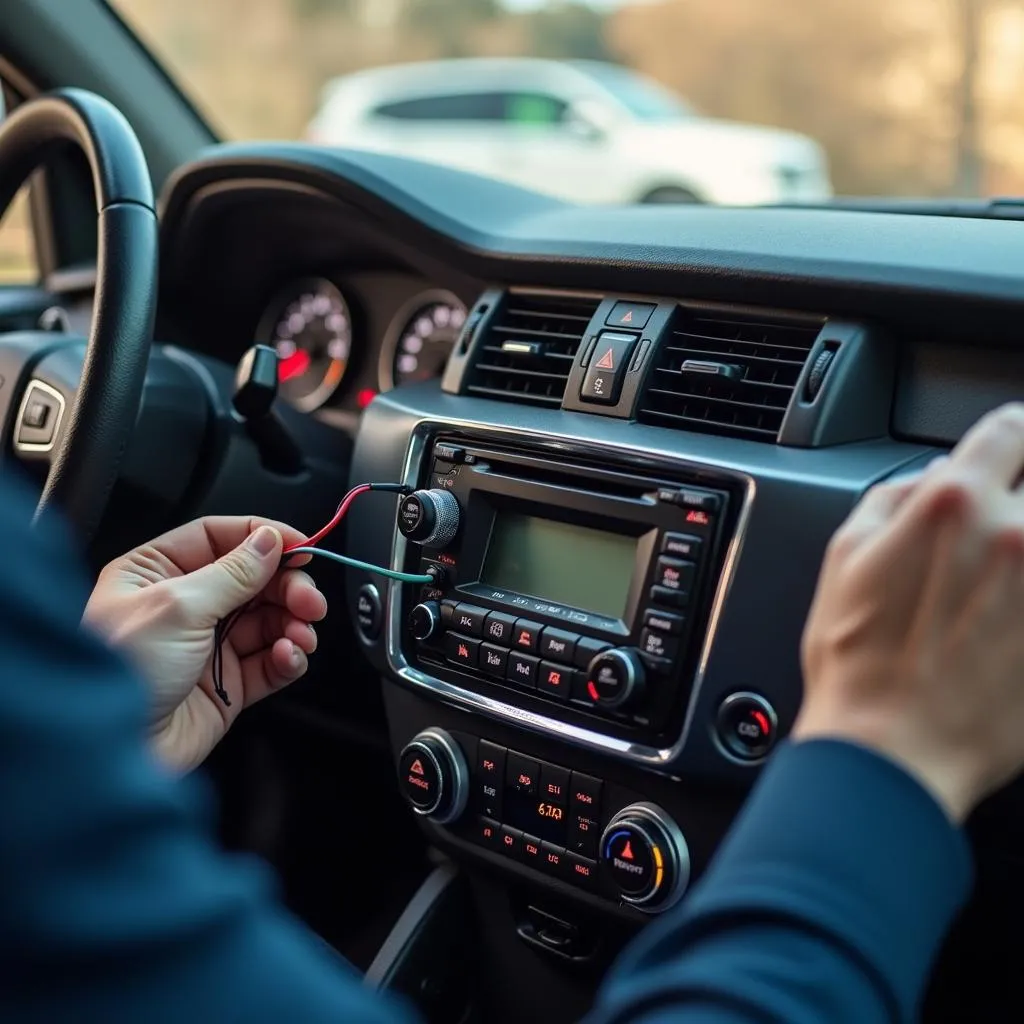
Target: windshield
[{"x": 620, "y": 101}]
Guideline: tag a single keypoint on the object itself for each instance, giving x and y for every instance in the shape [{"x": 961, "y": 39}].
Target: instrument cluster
[{"x": 321, "y": 339}]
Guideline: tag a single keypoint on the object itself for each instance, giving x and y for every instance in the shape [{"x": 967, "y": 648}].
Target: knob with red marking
[
  {"x": 615, "y": 678},
  {"x": 746, "y": 727},
  {"x": 645, "y": 857}
]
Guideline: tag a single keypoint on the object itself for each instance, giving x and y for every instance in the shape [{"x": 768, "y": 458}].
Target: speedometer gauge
[
  {"x": 421, "y": 339},
  {"x": 310, "y": 325}
]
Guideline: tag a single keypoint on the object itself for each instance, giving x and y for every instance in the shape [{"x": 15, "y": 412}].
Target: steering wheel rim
[{"x": 88, "y": 455}]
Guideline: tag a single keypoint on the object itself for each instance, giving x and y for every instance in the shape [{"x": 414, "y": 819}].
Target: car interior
[{"x": 623, "y": 437}]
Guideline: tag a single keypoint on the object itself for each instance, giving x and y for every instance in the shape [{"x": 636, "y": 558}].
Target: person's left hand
[{"x": 160, "y": 604}]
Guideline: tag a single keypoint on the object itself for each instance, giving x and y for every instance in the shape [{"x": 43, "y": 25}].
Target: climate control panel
[{"x": 552, "y": 819}]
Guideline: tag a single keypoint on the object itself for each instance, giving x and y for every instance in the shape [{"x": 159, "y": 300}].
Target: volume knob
[
  {"x": 430, "y": 518},
  {"x": 615, "y": 678}
]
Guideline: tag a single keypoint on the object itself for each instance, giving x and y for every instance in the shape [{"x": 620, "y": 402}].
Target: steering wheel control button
[
  {"x": 490, "y": 778},
  {"x": 424, "y": 620},
  {"x": 615, "y": 678},
  {"x": 681, "y": 545},
  {"x": 746, "y": 726},
  {"x": 40, "y": 415},
  {"x": 633, "y": 860},
  {"x": 460, "y": 650},
  {"x": 603, "y": 381},
  {"x": 430, "y": 518},
  {"x": 632, "y": 315},
  {"x": 433, "y": 775},
  {"x": 645, "y": 857},
  {"x": 369, "y": 612},
  {"x": 664, "y": 622}
]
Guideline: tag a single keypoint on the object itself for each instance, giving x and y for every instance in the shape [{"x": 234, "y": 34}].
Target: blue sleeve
[
  {"x": 115, "y": 905},
  {"x": 826, "y": 904}
]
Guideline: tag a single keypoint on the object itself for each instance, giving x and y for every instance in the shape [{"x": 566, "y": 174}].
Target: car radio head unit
[{"x": 575, "y": 590}]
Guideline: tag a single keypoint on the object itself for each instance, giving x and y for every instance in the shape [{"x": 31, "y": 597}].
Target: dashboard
[{"x": 627, "y": 437}]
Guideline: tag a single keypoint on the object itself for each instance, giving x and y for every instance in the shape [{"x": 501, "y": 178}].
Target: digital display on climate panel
[
  {"x": 537, "y": 817},
  {"x": 570, "y": 565}
]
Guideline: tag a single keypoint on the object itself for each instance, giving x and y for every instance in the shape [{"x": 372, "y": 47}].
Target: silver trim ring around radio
[{"x": 627, "y": 750}]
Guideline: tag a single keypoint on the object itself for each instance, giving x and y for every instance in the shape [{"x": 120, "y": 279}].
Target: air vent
[
  {"x": 729, "y": 375},
  {"x": 528, "y": 350}
]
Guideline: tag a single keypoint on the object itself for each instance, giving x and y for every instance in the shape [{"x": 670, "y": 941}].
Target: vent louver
[
  {"x": 528, "y": 350},
  {"x": 729, "y": 375}
]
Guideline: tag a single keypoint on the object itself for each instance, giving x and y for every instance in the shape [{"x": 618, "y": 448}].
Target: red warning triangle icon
[
  {"x": 627, "y": 851},
  {"x": 607, "y": 361},
  {"x": 628, "y": 318},
  {"x": 416, "y": 767}
]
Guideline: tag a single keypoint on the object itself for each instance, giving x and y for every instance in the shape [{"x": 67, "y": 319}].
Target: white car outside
[{"x": 583, "y": 131}]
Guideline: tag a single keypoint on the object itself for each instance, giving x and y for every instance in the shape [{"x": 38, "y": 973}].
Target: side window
[
  {"x": 534, "y": 108},
  {"x": 460, "y": 107},
  {"x": 17, "y": 250}
]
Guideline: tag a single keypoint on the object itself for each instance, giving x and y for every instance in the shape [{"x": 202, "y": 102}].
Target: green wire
[{"x": 354, "y": 563}]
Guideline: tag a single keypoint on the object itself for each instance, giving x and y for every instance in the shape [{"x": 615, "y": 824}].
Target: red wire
[{"x": 337, "y": 518}]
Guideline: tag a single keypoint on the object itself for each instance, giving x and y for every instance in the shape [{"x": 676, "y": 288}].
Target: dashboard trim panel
[{"x": 638, "y": 753}]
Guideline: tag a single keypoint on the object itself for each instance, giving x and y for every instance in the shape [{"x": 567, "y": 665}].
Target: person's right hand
[{"x": 915, "y": 641}]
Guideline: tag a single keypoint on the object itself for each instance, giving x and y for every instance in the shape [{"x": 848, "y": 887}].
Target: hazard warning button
[
  {"x": 608, "y": 365},
  {"x": 419, "y": 777},
  {"x": 633, "y": 315},
  {"x": 630, "y": 855}
]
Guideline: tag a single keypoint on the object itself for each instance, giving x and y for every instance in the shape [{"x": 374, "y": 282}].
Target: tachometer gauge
[
  {"x": 421, "y": 339},
  {"x": 310, "y": 325}
]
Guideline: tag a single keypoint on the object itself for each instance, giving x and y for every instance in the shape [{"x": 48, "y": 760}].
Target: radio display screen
[{"x": 558, "y": 562}]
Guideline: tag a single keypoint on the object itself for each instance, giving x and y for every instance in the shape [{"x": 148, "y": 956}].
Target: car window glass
[
  {"x": 535, "y": 108},
  {"x": 460, "y": 107}
]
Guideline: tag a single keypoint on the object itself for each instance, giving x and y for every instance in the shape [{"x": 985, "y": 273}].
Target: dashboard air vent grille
[
  {"x": 528, "y": 350},
  {"x": 729, "y": 375}
]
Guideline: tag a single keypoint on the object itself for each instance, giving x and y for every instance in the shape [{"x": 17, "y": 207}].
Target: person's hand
[
  {"x": 915, "y": 642},
  {"x": 160, "y": 603}
]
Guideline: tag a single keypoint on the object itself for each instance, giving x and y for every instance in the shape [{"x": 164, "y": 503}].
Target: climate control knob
[
  {"x": 425, "y": 620},
  {"x": 615, "y": 678},
  {"x": 433, "y": 776},
  {"x": 430, "y": 518},
  {"x": 645, "y": 857}
]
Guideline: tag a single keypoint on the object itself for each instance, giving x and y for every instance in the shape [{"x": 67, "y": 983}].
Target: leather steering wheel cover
[{"x": 86, "y": 461}]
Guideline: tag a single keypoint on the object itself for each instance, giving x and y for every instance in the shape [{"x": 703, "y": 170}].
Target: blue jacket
[{"x": 826, "y": 904}]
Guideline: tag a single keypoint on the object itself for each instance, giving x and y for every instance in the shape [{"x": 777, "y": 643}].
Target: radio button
[
  {"x": 671, "y": 598},
  {"x": 490, "y": 778},
  {"x": 557, "y": 644},
  {"x": 582, "y": 871},
  {"x": 487, "y": 832},
  {"x": 664, "y": 622},
  {"x": 554, "y": 860},
  {"x": 498, "y": 628},
  {"x": 555, "y": 680},
  {"x": 587, "y": 649},
  {"x": 526, "y": 635},
  {"x": 449, "y": 453},
  {"x": 675, "y": 574},
  {"x": 531, "y": 852},
  {"x": 657, "y": 645},
  {"x": 469, "y": 619},
  {"x": 554, "y": 784},
  {"x": 461, "y": 650},
  {"x": 522, "y": 670},
  {"x": 494, "y": 660},
  {"x": 682, "y": 545},
  {"x": 522, "y": 773},
  {"x": 511, "y": 841}
]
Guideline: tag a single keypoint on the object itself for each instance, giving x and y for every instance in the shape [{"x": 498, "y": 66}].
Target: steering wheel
[{"x": 85, "y": 428}]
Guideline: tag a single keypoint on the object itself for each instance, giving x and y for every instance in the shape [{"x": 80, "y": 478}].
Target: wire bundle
[{"x": 309, "y": 547}]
